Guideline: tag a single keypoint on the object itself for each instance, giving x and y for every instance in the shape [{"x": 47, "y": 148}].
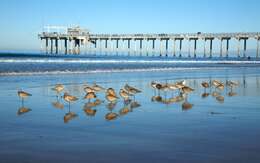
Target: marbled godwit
[
  {"x": 111, "y": 116},
  {"x": 97, "y": 88},
  {"x": 23, "y": 95},
  {"x": 232, "y": 84},
  {"x": 220, "y": 87},
  {"x": 216, "y": 83},
  {"x": 23, "y": 110},
  {"x": 89, "y": 89},
  {"x": 90, "y": 95},
  {"x": 131, "y": 89},
  {"x": 111, "y": 91},
  {"x": 205, "y": 84},
  {"x": 124, "y": 94},
  {"x": 187, "y": 89},
  {"x": 157, "y": 86},
  {"x": 111, "y": 95},
  {"x": 69, "y": 98},
  {"x": 58, "y": 89}
]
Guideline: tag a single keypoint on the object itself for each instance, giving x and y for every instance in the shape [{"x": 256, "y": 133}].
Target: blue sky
[{"x": 21, "y": 20}]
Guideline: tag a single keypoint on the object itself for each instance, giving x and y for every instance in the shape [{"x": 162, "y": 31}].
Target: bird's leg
[{"x": 22, "y": 102}]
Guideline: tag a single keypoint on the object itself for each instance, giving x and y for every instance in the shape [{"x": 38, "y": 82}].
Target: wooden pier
[{"x": 76, "y": 39}]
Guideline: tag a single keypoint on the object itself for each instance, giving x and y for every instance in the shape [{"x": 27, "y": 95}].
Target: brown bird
[
  {"x": 205, "y": 84},
  {"x": 187, "y": 89},
  {"x": 89, "y": 89},
  {"x": 220, "y": 87},
  {"x": 215, "y": 94},
  {"x": 124, "y": 94},
  {"x": 111, "y": 116},
  {"x": 131, "y": 89},
  {"x": 111, "y": 91},
  {"x": 23, "y": 95},
  {"x": 58, "y": 88},
  {"x": 232, "y": 84},
  {"x": 97, "y": 88},
  {"x": 69, "y": 98},
  {"x": 90, "y": 95},
  {"x": 216, "y": 83}
]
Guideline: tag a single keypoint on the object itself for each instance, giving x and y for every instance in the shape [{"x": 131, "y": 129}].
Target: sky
[{"x": 22, "y": 20}]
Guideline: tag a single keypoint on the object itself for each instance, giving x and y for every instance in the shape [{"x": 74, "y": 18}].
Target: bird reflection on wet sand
[{"x": 23, "y": 110}]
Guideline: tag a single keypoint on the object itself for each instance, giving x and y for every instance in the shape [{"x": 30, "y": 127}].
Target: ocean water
[{"x": 210, "y": 130}]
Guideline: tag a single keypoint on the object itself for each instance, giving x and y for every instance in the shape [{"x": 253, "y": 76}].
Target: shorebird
[
  {"x": 131, "y": 89},
  {"x": 23, "y": 95},
  {"x": 90, "y": 95},
  {"x": 124, "y": 94},
  {"x": 205, "y": 85},
  {"x": 111, "y": 91},
  {"x": 111, "y": 95},
  {"x": 186, "y": 89},
  {"x": 220, "y": 87},
  {"x": 157, "y": 86},
  {"x": 232, "y": 84},
  {"x": 216, "y": 83},
  {"x": 69, "y": 98},
  {"x": 89, "y": 89},
  {"x": 90, "y": 112},
  {"x": 58, "y": 89},
  {"x": 97, "y": 88},
  {"x": 111, "y": 116}
]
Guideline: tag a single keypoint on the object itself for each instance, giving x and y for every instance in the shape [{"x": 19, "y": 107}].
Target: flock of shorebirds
[
  {"x": 127, "y": 93},
  {"x": 183, "y": 91}
]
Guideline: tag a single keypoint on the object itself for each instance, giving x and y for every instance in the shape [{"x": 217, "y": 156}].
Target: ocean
[{"x": 199, "y": 127}]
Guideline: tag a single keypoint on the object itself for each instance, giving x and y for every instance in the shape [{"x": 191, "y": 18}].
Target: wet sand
[{"x": 209, "y": 131}]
